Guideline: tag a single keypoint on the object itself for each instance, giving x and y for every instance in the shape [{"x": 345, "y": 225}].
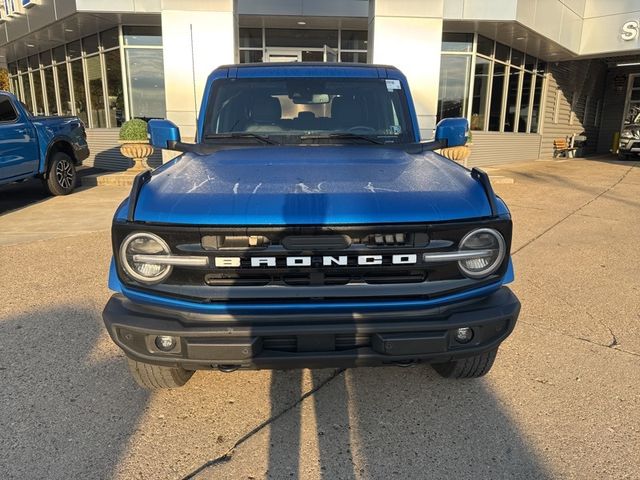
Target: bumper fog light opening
[
  {"x": 463, "y": 335},
  {"x": 165, "y": 343}
]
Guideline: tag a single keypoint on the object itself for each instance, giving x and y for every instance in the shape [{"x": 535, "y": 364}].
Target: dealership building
[{"x": 524, "y": 72}]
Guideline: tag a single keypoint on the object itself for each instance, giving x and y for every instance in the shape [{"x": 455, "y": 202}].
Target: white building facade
[{"x": 522, "y": 71}]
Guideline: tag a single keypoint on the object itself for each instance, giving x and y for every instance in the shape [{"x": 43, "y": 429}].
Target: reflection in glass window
[
  {"x": 38, "y": 108},
  {"x": 250, "y": 37},
  {"x": 146, "y": 83},
  {"x": 79, "y": 92},
  {"x": 354, "y": 57},
  {"x": 497, "y": 87},
  {"x": 485, "y": 46},
  {"x": 96, "y": 92},
  {"x": 73, "y": 49},
  {"x": 115, "y": 96},
  {"x": 50, "y": 91},
  {"x": 535, "y": 110},
  {"x": 354, "y": 40},
  {"x": 454, "y": 86},
  {"x": 524, "y": 102},
  {"x": 63, "y": 89},
  {"x": 250, "y": 56},
  {"x": 283, "y": 37},
  {"x": 142, "y": 35},
  {"x": 480, "y": 93},
  {"x": 110, "y": 39},
  {"x": 512, "y": 99},
  {"x": 502, "y": 52},
  {"x": 457, "y": 42}
]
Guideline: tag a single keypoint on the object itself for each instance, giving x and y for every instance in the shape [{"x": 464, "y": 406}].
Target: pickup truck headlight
[
  {"x": 144, "y": 244},
  {"x": 490, "y": 247}
]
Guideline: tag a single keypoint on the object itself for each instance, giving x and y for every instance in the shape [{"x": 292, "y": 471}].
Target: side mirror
[
  {"x": 452, "y": 132},
  {"x": 163, "y": 133}
]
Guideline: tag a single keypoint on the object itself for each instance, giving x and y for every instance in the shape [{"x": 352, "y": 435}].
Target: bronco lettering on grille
[{"x": 326, "y": 260}]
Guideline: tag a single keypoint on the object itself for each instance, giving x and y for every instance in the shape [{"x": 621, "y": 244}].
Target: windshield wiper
[
  {"x": 261, "y": 138},
  {"x": 342, "y": 136}
]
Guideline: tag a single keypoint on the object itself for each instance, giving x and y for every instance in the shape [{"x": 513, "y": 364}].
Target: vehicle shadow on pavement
[
  {"x": 70, "y": 411},
  {"x": 391, "y": 422}
]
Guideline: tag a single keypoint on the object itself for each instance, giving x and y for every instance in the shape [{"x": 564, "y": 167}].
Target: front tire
[
  {"x": 155, "y": 377},
  {"x": 61, "y": 176},
  {"x": 471, "y": 367},
  {"x": 623, "y": 156}
]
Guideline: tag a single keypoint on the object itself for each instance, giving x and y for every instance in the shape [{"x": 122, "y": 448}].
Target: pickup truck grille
[{"x": 296, "y": 263}]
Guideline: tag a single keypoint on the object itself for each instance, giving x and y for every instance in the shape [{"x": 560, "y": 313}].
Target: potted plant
[{"x": 134, "y": 143}]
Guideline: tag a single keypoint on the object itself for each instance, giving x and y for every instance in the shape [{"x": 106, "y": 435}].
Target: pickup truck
[
  {"x": 309, "y": 227},
  {"x": 49, "y": 148}
]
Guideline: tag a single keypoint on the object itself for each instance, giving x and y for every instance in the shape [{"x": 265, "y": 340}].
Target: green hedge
[{"x": 134, "y": 130}]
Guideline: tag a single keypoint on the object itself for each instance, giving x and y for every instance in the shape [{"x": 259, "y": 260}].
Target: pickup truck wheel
[
  {"x": 154, "y": 377},
  {"x": 471, "y": 367},
  {"x": 61, "y": 176}
]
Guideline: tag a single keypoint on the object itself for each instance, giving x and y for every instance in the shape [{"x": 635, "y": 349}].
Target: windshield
[{"x": 308, "y": 110}]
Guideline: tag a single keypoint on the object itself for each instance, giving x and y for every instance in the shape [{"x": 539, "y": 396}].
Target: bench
[{"x": 561, "y": 147}]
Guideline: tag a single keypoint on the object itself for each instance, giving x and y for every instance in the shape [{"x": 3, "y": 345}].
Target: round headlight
[
  {"x": 144, "y": 243},
  {"x": 486, "y": 248}
]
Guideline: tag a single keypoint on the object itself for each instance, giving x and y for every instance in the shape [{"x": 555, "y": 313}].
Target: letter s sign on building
[{"x": 630, "y": 30}]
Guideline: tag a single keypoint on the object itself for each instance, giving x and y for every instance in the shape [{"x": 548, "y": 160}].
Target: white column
[
  {"x": 197, "y": 37},
  {"x": 408, "y": 34}
]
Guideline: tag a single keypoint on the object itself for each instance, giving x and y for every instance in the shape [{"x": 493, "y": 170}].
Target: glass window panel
[
  {"x": 495, "y": 104},
  {"x": 90, "y": 44},
  {"x": 115, "y": 96},
  {"x": 26, "y": 84},
  {"x": 14, "y": 86},
  {"x": 542, "y": 66},
  {"x": 59, "y": 54},
  {"x": 38, "y": 108},
  {"x": 34, "y": 62},
  {"x": 524, "y": 102},
  {"x": 485, "y": 46},
  {"x": 529, "y": 62},
  {"x": 512, "y": 98},
  {"x": 250, "y": 56},
  {"x": 22, "y": 65},
  {"x": 457, "y": 42},
  {"x": 354, "y": 57},
  {"x": 535, "y": 110},
  {"x": 251, "y": 37},
  {"x": 63, "y": 89},
  {"x": 517, "y": 57},
  {"x": 145, "y": 78},
  {"x": 109, "y": 38},
  {"x": 50, "y": 91},
  {"x": 354, "y": 40},
  {"x": 13, "y": 68},
  {"x": 502, "y": 52},
  {"x": 73, "y": 49},
  {"x": 280, "y": 37},
  {"x": 96, "y": 92},
  {"x": 454, "y": 86},
  {"x": 45, "y": 57},
  {"x": 77, "y": 80},
  {"x": 480, "y": 93},
  {"x": 142, "y": 35}
]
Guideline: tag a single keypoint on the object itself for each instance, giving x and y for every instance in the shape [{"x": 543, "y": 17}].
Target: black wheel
[
  {"x": 623, "y": 156},
  {"x": 62, "y": 176},
  {"x": 154, "y": 377},
  {"x": 471, "y": 367},
  {"x": 555, "y": 154}
]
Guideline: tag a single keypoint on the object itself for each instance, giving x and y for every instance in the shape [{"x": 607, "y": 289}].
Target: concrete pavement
[{"x": 560, "y": 401}]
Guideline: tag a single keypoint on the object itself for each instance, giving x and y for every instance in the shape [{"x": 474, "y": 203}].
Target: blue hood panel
[{"x": 298, "y": 185}]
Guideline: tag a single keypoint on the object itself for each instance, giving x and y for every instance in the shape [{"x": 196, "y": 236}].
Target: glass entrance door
[{"x": 632, "y": 110}]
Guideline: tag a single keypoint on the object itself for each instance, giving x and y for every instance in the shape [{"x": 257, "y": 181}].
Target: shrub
[{"x": 134, "y": 130}]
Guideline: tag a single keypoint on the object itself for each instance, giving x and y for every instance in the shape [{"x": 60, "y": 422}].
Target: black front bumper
[{"x": 310, "y": 341}]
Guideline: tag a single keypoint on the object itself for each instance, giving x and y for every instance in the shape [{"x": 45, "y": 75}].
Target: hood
[{"x": 304, "y": 185}]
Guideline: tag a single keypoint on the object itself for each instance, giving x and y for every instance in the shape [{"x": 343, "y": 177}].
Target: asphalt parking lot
[{"x": 562, "y": 400}]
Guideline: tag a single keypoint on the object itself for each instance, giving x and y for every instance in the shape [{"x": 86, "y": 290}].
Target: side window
[{"x": 7, "y": 112}]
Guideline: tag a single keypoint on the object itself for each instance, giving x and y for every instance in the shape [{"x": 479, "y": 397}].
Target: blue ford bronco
[
  {"x": 308, "y": 226},
  {"x": 48, "y": 148}
]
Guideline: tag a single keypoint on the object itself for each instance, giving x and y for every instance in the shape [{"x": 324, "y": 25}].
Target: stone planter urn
[
  {"x": 135, "y": 145},
  {"x": 137, "y": 151}
]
